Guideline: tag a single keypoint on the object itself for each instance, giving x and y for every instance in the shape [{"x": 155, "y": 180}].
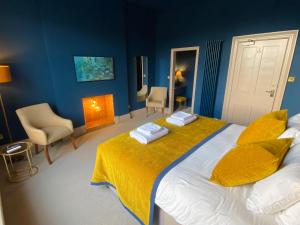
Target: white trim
[
  {"x": 121, "y": 118},
  {"x": 171, "y": 76},
  {"x": 78, "y": 131},
  {"x": 81, "y": 130},
  {"x": 291, "y": 35}
]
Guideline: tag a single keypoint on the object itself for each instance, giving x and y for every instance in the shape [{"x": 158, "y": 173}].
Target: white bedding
[{"x": 190, "y": 198}]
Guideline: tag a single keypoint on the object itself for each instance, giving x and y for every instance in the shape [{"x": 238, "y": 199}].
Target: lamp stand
[{"x": 5, "y": 119}]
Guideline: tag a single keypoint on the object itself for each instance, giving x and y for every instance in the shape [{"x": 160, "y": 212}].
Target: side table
[{"x": 26, "y": 171}]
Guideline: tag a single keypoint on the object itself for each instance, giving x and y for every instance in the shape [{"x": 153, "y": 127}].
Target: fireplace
[{"x": 98, "y": 111}]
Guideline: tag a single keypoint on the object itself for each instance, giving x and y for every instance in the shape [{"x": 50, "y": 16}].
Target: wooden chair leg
[
  {"x": 36, "y": 148},
  {"x": 47, "y": 156},
  {"x": 147, "y": 110},
  {"x": 163, "y": 111},
  {"x": 73, "y": 142}
]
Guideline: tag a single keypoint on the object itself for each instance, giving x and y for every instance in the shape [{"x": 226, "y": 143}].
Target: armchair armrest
[
  {"x": 59, "y": 121},
  {"x": 37, "y": 136}
]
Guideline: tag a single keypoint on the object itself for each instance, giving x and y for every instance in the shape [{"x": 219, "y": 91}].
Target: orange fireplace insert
[{"x": 98, "y": 111}]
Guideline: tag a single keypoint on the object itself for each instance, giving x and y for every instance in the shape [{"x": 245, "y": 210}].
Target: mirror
[{"x": 142, "y": 77}]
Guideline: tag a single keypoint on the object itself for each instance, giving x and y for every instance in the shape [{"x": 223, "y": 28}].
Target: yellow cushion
[
  {"x": 267, "y": 127},
  {"x": 251, "y": 162}
]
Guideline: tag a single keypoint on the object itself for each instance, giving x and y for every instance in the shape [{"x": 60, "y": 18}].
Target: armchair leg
[
  {"x": 36, "y": 148},
  {"x": 73, "y": 142},
  {"x": 47, "y": 156}
]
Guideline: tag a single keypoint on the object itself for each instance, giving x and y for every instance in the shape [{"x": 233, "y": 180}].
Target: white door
[{"x": 256, "y": 75}]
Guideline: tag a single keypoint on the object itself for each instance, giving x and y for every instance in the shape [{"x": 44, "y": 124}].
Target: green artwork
[{"x": 94, "y": 68}]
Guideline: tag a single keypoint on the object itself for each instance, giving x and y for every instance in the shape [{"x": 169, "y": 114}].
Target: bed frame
[
  {"x": 160, "y": 216},
  {"x": 163, "y": 218}
]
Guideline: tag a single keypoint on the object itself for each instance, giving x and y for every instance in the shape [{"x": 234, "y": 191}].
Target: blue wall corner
[{"x": 140, "y": 42}]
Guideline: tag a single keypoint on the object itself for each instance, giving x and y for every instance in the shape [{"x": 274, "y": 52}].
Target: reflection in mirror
[{"x": 142, "y": 77}]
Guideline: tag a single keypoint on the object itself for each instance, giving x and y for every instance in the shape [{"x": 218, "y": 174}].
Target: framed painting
[{"x": 94, "y": 68}]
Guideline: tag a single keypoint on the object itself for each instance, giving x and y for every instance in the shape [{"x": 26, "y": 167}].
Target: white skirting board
[
  {"x": 138, "y": 112},
  {"x": 118, "y": 119},
  {"x": 78, "y": 131}
]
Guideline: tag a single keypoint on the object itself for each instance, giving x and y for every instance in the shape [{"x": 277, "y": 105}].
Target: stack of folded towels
[
  {"x": 148, "y": 132},
  {"x": 181, "y": 118}
]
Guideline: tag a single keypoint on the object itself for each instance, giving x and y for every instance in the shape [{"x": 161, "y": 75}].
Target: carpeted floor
[{"x": 61, "y": 194}]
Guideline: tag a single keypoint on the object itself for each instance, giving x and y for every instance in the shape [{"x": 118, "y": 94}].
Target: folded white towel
[
  {"x": 182, "y": 116},
  {"x": 145, "y": 139},
  {"x": 179, "y": 122},
  {"x": 149, "y": 128}
]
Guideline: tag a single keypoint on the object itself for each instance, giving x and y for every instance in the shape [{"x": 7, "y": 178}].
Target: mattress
[{"x": 186, "y": 194}]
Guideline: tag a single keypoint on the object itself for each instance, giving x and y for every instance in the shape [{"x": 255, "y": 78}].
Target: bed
[{"x": 186, "y": 196}]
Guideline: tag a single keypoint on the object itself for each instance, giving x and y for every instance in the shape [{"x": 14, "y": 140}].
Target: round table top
[
  {"x": 180, "y": 99},
  {"x": 24, "y": 146}
]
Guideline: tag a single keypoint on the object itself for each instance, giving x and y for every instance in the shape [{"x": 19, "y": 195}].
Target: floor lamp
[{"x": 5, "y": 77}]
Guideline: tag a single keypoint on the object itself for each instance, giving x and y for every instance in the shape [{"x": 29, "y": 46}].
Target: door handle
[{"x": 271, "y": 92}]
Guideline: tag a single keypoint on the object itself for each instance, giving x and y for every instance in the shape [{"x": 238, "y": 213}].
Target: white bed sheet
[{"x": 186, "y": 193}]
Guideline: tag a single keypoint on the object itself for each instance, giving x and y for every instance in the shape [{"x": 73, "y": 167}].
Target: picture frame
[{"x": 94, "y": 68}]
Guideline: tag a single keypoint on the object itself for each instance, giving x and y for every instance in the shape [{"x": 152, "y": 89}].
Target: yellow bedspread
[{"x": 135, "y": 170}]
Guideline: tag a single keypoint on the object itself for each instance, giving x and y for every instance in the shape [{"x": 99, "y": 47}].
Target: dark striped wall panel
[{"x": 210, "y": 79}]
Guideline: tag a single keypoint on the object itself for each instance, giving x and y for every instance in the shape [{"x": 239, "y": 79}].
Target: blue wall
[
  {"x": 22, "y": 47},
  {"x": 95, "y": 28},
  {"x": 221, "y": 21},
  {"x": 140, "y": 42},
  {"x": 39, "y": 39}
]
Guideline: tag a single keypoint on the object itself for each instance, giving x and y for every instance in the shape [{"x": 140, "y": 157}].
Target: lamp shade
[
  {"x": 5, "y": 75},
  {"x": 178, "y": 73}
]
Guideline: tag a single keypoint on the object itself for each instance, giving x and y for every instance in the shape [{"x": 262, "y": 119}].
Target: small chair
[
  {"x": 44, "y": 127},
  {"x": 157, "y": 99}
]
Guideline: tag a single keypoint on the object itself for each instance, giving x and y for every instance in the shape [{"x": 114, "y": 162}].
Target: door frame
[
  {"x": 172, "y": 77},
  {"x": 291, "y": 35}
]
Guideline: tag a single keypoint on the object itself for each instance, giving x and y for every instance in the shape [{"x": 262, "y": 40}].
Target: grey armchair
[
  {"x": 44, "y": 127},
  {"x": 157, "y": 98}
]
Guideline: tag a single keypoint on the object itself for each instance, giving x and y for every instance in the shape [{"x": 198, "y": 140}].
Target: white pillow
[
  {"x": 294, "y": 121},
  {"x": 276, "y": 192},
  {"x": 291, "y": 132},
  {"x": 293, "y": 156},
  {"x": 289, "y": 216}
]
